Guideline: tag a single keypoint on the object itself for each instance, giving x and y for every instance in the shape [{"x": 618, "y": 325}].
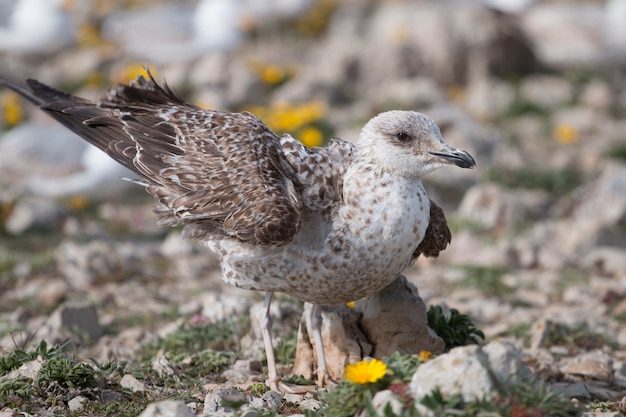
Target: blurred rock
[
  {"x": 500, "y": 209},
  {"x": 77, "y": 403},
  {"x": 34, "y": 213},
  {"x": 79, "y": 318},
  {"x": 167, "y": 408},
  {"x": 394, "y": 320},
  {"x": 546, "y": 91},
  {"x": 131, "y": 383},
  {"x": 595, "y": 365},
  {"x": 101, "y": 261},
  {"x": 471, "y": 371}
]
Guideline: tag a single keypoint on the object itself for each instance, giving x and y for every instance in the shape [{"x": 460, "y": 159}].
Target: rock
[
  {"x": 546, "y": 91},
  {"x": 34, "y": 213},
  {"x": 499, "y": 209},
  {"x": 571, "y": 389},
  {"x": 162, "y": 365},
  {"x": 103, "y": 261},
  {"x": 129, "y": 382},
  {"x": 167, "y": 408},
  {"x": 80, "y": 318},
  {"x": 395, "y": 320},
  {"x": 223, "y": 399},
  {"x": 470, "y": 371},
  {"x": 108, "y": 396},
  {"x": 28, "y": 369},
  {"x": 77, "y": 403},
  {"x": 606, "y": 260},
  {"x": 344, "y": 342},
  {"x": 381, "y": 400},
  {"x": 595, "y": 365},
  {"x": 539, "y": 333},
  {"x": 272, "y": 400}
]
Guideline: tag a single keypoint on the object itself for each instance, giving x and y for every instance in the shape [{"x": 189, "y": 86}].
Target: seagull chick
[{"x": 325, "y": 225}]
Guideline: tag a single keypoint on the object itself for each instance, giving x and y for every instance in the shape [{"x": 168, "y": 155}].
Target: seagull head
[{"x": 408, "y": 143}]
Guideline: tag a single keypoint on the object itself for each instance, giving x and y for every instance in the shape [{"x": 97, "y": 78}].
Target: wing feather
[{"x": 220, "y": 173}]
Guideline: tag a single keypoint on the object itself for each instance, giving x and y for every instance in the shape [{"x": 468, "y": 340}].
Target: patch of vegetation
[
  {"x": 455, "y": 329},
  {"x": 190, "y": 338},
  {"x": 569, "y": 277},
  {"x": 487, "y": 279},
  {"x": 458, "y": 224},
  {"x": 285, "y": 351},
  {"x": 580, "y": 336},
  {"x": 522, "y": 107},
  {"x": 557, "y": 182},
  {"x": 617, "y": 152},
  {"x": 520, "y": 331},
  {"x": 203, "y": 363}
]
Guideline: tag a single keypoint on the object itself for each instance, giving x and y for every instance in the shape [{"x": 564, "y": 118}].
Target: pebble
[
  {"x": 128, "y": 381},
  {"x": 77, "y": 403},
  {"x": 167, "y": 408}
]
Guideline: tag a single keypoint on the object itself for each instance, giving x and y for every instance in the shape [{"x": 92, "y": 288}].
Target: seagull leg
[
  {"x": 316, "y": 326},
  {"x": 266, "y": 327},
  {"x": 275, "y": 383}
]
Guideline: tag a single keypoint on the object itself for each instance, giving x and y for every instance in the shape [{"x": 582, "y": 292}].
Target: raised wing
[
  {"x": 319, "y": 172},
  {"x": 216, "y": 172}
]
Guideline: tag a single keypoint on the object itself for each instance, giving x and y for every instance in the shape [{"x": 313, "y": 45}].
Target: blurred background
[{"x": 534, "y": 90}]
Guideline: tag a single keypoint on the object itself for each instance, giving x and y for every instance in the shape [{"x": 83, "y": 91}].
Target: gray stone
[
  {"x": 547, "y": 91},
  {"x": 394, "y": 320},
  {"x": 220, "y": 400},
  {"x": 34, "y": 213},
  {"x": 272, "y": 400},
  {"x": 470, "y": 371},
  {"x": 595, "y": 365},
  {"x": 167, "y": 408},
  {"x": 571, "y": 389},
  {"x": 539, "y": 333},
  {"x": 79, "y": 317},
  {"x": 77, "y": 403},
  {"x": 129, "y": 382}
]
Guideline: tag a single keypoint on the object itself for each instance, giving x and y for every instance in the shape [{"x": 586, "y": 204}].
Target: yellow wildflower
[
  {"x": 78, "y": 202},
  {"x": 89, "y": 35},
  {"x": 565, "y": 134},
  {"x": 365, "y": 371},
  {"x": 12, "y": 113},
  {"x": 272, "y": 74},
  {"x": 350, "y": 304},
  {"x": 311, "y": 137},
  {"x": 425, "y": 355},
  {"x": 132, "y": 71}
]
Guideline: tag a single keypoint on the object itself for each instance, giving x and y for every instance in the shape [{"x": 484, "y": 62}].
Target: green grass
[
  {"x": 455, "y": 329},
  {"x": 487, "y": 279}
]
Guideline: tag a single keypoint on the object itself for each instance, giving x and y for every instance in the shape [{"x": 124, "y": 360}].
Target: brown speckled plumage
[{"x": 326, "y": 225}]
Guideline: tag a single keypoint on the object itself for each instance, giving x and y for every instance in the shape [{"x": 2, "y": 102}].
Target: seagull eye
[{"x": 403, "y": 137}]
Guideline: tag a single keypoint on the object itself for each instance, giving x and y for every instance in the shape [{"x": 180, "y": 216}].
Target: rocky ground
[{"x": 537, "y": 259}]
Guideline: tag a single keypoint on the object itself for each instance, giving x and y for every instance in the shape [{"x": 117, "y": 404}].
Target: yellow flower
[
  {"x": 132, "y": 71},
  {"x": 350, "y": 304},
  {"x": 425, "y": 355},
  {"x": 565, "y": 134},
  {"x": 12, "y": 113},
  {"x": 365, "y": 371},
  {"x": 78, "y": 202},
  {"x": 272, "y": 74},
  {"x": 311, "y": 137}
]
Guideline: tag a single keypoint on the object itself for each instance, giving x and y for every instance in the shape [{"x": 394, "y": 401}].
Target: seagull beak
[{"x": 455, "y": 156}]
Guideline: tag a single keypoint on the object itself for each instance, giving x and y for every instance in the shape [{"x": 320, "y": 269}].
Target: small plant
[
  {"x": 286, "y": 349},
  {"x": 555, "y": 181},
  {"x": 455, "y": 329},
  {"x": 488, "y": 279}
]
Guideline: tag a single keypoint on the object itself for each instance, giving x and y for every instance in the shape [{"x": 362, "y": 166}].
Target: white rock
[
  {"x": 128, "y": 381},
  {"x": 469, "y": 371},
  {"x": 77, "y": 403},
  {"x": 167, "y": 408},
  {"x": 380, "y": 402}
]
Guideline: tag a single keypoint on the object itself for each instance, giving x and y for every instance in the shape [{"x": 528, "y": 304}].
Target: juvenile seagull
[{"x": 325, "y": 225}]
